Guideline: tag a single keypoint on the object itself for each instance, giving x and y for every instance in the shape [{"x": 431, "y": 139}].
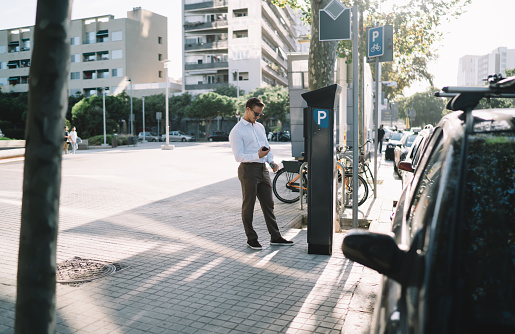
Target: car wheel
[
  {"x": 183, "y": 139},
  {"x": 210, "y": 139}
]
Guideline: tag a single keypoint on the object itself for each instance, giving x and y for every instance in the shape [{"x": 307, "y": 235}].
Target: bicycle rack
[
  {"x": 342, "y": 205},
  {"x": 301, "y": 183}
]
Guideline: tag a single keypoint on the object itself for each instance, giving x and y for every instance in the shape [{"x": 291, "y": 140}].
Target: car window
[
  {"x": 396, "y": 136},
  {"x": 487, "y": 248},
  {"x": 410, "y": 140}
]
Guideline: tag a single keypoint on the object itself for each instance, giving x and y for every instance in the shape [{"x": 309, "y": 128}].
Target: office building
[
  {"x": 106, "y": 53},
  {"x": 243, "y": 43},
  {"x": 474, "y": 70}
]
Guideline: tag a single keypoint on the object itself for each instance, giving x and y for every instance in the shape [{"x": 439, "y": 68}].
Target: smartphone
[{"x": 265, "y": 148}]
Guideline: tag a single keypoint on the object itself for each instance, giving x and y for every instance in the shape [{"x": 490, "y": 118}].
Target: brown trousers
[{"x": 255, "y": 182}]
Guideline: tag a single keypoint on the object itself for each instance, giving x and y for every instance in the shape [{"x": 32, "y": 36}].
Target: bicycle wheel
[
  {"x": 286, "y": 186},
  {"x": 362, "y": 191}
]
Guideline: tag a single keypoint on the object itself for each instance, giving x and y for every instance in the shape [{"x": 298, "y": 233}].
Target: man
[
  {"x": 380, "y": 133},
  {"x": 250, "y": 147}
]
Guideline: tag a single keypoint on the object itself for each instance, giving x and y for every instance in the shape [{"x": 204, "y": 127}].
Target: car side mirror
[
  {"x": 380, "y": 252},
  {"x": 406, "y": 166}
]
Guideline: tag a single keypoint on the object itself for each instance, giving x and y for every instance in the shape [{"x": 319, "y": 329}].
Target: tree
[
  {"x": 416, "y": 35},
  {"x": 178, "y": 106},
  {"x": 429, "y": 108},
  {"x": 208, "y": 106},
  {"x": 276, "y": 100},
  {"x": 87, "y": 115},
  {"x": 36, "y": 278},
  {"x": 231, "y": 91}
]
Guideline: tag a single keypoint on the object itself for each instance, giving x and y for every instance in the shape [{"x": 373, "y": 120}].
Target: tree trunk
[
  {"x": 322, "y": 55},
  {"x": 35, "y": 299}
]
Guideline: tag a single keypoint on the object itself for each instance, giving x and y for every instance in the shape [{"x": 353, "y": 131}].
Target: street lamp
[
  {"x": 143, "y": 98},
  {"x": 131, "y": 119},
  {"x": 167, "y": 146},
  {"x": 104, "y": 114}
]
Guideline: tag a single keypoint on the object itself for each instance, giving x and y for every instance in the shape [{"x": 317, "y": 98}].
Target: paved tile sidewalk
[{"x": 176, "y": 223}]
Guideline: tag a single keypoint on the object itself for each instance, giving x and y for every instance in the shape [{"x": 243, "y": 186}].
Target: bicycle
[{"x": 286, "y": 184}]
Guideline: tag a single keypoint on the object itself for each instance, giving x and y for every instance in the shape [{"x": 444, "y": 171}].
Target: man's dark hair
[{"x": 254, "y": 101}]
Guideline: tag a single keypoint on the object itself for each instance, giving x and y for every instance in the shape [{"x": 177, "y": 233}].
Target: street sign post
[
  {"x": 334, "y": 22},
  {"x": 375, "y": 39}
]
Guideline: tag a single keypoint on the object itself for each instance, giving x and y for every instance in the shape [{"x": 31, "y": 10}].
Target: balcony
[
  {"x": 206, "y": 46},
  {"x": 196, "y": 66},
  {"x": 205, "y": 5},
  {"x": 196, "y": 26},
  {"x": 207, "y": 86}
]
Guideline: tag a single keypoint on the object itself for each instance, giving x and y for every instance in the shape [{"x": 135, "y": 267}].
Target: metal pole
[
  {"x": 237, "y": 84},
  {"x": 132, "y": 117},
  {"x": 143, "y": 98},
  {"x": 355, "y": 114},
  {"x": 167, "y": 145},
  {"x": 376, "y": 120},
  {"x": 104, "y": 113}
]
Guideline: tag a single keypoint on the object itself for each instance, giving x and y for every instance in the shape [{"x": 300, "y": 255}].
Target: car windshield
[
  {"x": 396, "y": 136},
  {"x": 487, "y": 246},
  {"x": 410, "y": 140}
]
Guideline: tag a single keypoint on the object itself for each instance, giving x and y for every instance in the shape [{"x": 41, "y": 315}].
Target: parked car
[
  {"x": 280, "y": 136},
  {"x": 408, "y": 165},
  {"x": 390, "y": 147},
  {"x": 177, "y": 136},
  {"x": 148, "y": 137},
  {"x": 401, "y": 149},
  {"x": 218, "y": 136},
  {"x": 448, "y": 264}
]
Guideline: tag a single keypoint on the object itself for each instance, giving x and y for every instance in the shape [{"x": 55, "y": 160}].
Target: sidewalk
[{"x": 172, "y": 222}]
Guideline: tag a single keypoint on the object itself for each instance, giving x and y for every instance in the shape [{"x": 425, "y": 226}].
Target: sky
[{"x": 486, "y": 25}]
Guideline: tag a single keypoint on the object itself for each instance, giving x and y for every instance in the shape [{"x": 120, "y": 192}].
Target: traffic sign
[
  {"x": 321, "y": 117},
  {"x": 334, "y": 22},
  {"x": 375, "y": 39}
]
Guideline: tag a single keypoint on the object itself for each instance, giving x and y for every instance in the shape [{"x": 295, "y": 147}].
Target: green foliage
[
  {"x": 87, "y": 115},
  {"x": 276, "y": 100},
  {"x": 99, "y": 140},
  {"x": 429, "y": 108},
  {"x": 230, "y": 91},
  {"x": 13, "y": 109},
  {"x": 5, "y": 138}
]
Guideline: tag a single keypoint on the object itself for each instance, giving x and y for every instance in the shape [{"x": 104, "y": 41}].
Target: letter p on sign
[{"x": 321, "y": 117}]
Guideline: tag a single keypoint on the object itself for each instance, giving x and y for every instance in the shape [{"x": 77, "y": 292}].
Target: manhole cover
[{"x": 79, "y": 270}]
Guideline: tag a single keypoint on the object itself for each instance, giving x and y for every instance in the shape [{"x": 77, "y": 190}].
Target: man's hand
[
  {"x": 263, "y": 153},
  {"x": 274, "y": 166}
]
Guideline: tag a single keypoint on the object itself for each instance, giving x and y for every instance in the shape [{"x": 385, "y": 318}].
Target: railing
[
  {"x": 205, "y": 25},
  {"x": 205, "y": 4},
  {"x": 200, "y": 46},
  {"x": 195, "y": 66},
  {"x": 207, "y": 85}
]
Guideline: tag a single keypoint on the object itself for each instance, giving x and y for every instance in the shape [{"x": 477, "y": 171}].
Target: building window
[
  {"x": 25, "y": 44},
  {"x": 75, "y": 76},
  {"x": 24, "y": 80},
  {"x": 89, "y": 75},
  {"x": 241, "y": 54},
  {"x": 25, "y": 63},
  {"x": 240, "y": 12},
  {"x": 75, "y": 92},
  {"x": 76, "y": 58},
  {"x": 89, "y": 56},
  {"x": 116, "y": 54},
  {"x": 116, "y": 36},
  {"x": 90, "y": 38},
  {"x": 102, "y": 36},
  {"x": 117, "y": 72},
  {"x": 240, "y": 34},
  {"x": 159, "y": 40},
  {"x": 103, "y": 74},
  {"x": 160, "y": 57},
  {"x": 75, "y": 41},
  {"x": 160, "y": 74},
  {"x": 13, "y": 64},
  {"x": 103, "y": 55}
]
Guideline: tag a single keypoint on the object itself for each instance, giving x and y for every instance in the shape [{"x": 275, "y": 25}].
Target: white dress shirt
[{"x": 246, "y": 139}]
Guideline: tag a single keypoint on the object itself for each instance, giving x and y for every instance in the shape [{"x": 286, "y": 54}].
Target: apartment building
[
  {"x": 243, "y": 43},
  {"x": 473, "y": 70},
  {"x": 106, "y": 53}
]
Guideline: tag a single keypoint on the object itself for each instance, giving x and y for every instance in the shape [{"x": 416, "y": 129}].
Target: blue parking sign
[
  {"x": 375, "y": 45},
  {"x": 321, "y": 117}
]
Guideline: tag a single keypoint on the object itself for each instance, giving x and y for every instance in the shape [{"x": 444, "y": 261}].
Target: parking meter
[{"x": 319, "y": 139}]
